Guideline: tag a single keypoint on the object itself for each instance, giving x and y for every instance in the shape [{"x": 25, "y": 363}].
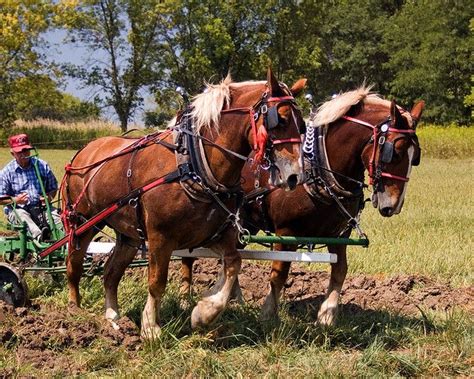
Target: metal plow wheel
[{"x": 13, "y": 289}]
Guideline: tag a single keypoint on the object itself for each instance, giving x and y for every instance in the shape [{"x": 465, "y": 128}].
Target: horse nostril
[
  {"x": 386, "y": 211},
  {"x": 292, "y": 181}
]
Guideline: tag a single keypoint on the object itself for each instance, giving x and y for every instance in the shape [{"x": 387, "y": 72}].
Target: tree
[
  {"x": 21, "y": 25},
  {"x": 38, "y": 97},
  {"x": 430, "y": 47},
  {"x": 349, "y": 32},
  {"x": 122, "y": 33},
  {"x": 206, "y": 39},
  {"x": 26, "y": 77}
]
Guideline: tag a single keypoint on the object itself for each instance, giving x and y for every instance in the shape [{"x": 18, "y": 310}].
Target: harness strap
[
  {"x": 140, "y": 144},
  {"x": 240, "y": 156},
  {"x": 395, "y": 130},
  {"x": 376, "y": 173},
  {"x": 137, "y": 204},
  {"x": 171, "y": 177}
]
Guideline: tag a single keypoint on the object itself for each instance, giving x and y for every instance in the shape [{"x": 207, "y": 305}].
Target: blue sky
[{"x": 61, "y": 52}]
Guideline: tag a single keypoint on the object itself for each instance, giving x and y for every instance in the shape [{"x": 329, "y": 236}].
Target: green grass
[
  {"x": 432, "y": 236},
  {"x": 366, "y": 344}
]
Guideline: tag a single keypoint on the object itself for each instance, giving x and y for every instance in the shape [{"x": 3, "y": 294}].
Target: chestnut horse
[
  {"x": 353, "y": 132},
  {"x": 225, "y": 122}
]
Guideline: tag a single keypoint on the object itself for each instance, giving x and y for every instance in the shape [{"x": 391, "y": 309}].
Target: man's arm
[{"x": 7, "y": 196}]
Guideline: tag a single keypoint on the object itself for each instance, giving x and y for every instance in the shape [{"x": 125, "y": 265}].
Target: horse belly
[{"x": 297, "y": 213}]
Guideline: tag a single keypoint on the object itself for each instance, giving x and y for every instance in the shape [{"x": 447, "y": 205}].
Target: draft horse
[
  {"x": 354, "y": 132},
  {"x": 198, "y": 165}
]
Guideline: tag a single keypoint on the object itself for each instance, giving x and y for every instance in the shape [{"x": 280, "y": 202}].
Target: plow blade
[{"x": 13, "y": 289}]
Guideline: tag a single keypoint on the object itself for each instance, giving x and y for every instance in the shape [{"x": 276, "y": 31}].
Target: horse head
[
  {"x": 390, "y": 155},
  {"x": 274, "y": 127},
  {"x": 279, "y": 133}
]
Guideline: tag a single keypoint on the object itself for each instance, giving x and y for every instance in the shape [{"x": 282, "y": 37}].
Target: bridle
[
  {"x": 263, "y": 143},
  {"x": 380, "y": 142}
]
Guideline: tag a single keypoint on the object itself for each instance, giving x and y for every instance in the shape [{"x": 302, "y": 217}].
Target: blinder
[
  {"x": 302, "y": 128},
  {"x": 271, "y": 117},
  {"x": 272, "y": 120},
  {"x": 387, "y": 152},
  {"x": 417, "y": 158}
]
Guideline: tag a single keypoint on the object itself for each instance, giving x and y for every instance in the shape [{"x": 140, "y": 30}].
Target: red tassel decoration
[{"x": 262, "y": 137}]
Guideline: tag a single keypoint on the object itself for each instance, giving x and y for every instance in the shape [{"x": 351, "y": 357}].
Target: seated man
[{"x": 18, "y": 180}]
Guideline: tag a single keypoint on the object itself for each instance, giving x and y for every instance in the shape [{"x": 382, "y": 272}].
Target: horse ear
[
  {"x": 272, "y": 83},
  {"x": 298, "y": 86},
  {"x": 417, "y": 111},
  {"x": 397, "y": 118}
]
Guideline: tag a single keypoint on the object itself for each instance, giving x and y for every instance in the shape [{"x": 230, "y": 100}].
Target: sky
[{"x": 61, "y": 52}]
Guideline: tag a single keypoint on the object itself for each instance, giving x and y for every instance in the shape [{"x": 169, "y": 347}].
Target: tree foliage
[
  {"x": 26, "y": 77},
  {"x": 430, "y": 48},
  {"x": 408, "y": 49}
]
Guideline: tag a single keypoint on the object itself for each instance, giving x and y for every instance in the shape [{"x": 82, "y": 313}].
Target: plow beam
[{"x": 261, "y": 255}]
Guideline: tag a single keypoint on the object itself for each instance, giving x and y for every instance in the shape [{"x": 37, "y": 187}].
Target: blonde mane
[
  {"x": 207, "y": 106},
  {"x": 334, "y": 109}
]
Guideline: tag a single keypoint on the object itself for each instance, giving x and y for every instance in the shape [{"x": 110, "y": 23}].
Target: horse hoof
[
  {"x": 269, "y": 311},
  {"x": 267, "y": 316},
  {"x": 326, "y": 318},
  {"x": 73, "y": 307},
  {"x": 203, "y": 314},
  {"x": 111, "y": 315},
  {"x": 150, "y": 333}
]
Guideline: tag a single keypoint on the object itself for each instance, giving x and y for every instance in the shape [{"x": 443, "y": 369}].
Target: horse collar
[{"x": 322, "y": 182}]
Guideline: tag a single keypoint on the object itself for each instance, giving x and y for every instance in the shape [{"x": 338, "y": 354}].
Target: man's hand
[{"x": 22, "y": 198}]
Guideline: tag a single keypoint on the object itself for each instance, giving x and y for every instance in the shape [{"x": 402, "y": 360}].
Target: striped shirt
[{"x": 15, "y": 180}]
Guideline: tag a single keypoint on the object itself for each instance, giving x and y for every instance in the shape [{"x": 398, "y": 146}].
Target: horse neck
[
  {"x": 225, "y": 167},
  {"x": 345, "y": 142},
  {"x": 344, "y": 145}
]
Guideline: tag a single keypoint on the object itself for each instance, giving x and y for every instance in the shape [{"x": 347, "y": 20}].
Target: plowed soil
[
  {"x": 403, "y": 294},
  {"x": 39, "y": 332}
]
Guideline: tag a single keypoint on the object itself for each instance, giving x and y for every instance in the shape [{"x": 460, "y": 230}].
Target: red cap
[{"x": 19, "y": 143}]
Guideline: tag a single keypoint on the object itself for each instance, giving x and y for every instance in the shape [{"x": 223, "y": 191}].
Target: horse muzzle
[
  {"x": 287, "y": 178},
  {"x": 384, "y": 205}
]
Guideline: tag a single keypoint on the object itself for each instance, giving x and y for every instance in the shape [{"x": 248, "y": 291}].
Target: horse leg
[
  {"x": 159, "y": 255},
  {"x": 186, "y": 275},
  {"x": 278, "y": 277},
  {"x": 235, "y": 294},
  {"x": 124, "y": 253},
  {"x": 210, "y": 307},
  {"x": 74, "y": 266},
  {"x": 327, "y": 312}
]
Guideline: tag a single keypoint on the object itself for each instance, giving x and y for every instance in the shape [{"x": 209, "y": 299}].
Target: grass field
[{"x": 432, "y": 236}]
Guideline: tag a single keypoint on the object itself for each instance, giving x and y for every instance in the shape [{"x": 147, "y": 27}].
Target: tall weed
[{"x": 446, "y": 142}]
